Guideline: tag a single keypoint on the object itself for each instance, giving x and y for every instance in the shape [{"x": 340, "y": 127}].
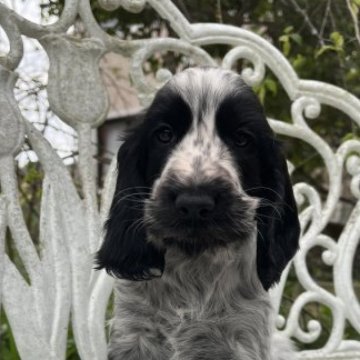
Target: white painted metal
[{"x": 62, "y": 280}]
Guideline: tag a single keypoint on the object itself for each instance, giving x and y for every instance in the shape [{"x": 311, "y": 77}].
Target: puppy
[{"x": 202, "y": 224}]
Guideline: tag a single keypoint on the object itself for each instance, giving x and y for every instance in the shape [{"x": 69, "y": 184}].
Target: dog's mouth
[{"x": 193, "y": 221}]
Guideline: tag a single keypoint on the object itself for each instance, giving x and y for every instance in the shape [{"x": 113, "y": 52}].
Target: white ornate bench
[{"x": 62, "y": 281}]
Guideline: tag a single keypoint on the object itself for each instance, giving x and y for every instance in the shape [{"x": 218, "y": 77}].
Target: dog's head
[{"x": 202, "y": 171}]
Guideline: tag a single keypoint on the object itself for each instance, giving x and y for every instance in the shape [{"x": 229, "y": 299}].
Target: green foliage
[
  {"x": 337, "y": 44},
  {"x": 8, "y": 349},
  {"x": 269, "y": 85},
  {"x": 289, "y": 37}
]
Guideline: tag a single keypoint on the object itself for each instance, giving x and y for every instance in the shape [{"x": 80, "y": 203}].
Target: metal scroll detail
[{"x": 62, "y": 281}]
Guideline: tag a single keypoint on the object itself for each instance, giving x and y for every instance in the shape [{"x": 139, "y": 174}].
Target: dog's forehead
[
  {"x": 203, "y": 89},
  {"x": 210, "y": 79}
]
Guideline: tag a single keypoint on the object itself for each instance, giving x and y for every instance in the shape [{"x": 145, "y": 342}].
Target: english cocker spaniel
[{"x": 202, "y": 224}]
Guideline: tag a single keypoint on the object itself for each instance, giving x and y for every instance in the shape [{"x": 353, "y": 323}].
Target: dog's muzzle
[{"x": 198, "y": 216}]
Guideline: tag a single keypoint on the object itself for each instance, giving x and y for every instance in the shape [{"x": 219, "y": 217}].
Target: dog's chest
[
  {"x": 201, "y": 292},
  {"x": 215, "y": 297},
  {"x": 188, "y": 301}
]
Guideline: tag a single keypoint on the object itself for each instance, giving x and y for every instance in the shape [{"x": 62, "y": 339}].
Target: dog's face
[
  {"x": 197, "y": 200},
  {"x": 203, "y": 170}
]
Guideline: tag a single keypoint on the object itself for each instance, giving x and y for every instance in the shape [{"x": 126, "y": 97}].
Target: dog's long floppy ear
[
  {"x": 278, "y": 224},
  {"x": 125, "y": 252}
]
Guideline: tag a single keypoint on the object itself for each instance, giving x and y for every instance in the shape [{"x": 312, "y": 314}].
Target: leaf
[
  {"x": 261, "y": 94},
  {"x": 286, "y": 41},
  {"x": 338, "y": 43},
  {"x": 271, "y": 85},
  {"x": 353, "y": 74},
  {"x": 337, "y": 39},
  {"x": 288, "y": 29},
  {"x": 299, "y": 61},
  {"x": 324, "y": 49},
  {"x": 349, "y": 136},
  {"x": 296, "y": 38},
  {"x": 286, "y": 47}
]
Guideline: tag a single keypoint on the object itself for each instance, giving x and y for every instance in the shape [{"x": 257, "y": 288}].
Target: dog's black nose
[{"x": 194, "y": 206}]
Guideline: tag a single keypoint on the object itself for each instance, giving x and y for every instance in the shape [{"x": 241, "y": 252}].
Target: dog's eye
[
  {"x": 241, "y": 138},
  {"x": 164, "y": 135}
]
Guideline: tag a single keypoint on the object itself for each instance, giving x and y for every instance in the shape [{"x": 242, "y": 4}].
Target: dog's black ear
[
  {"x": 278, "y": 223},
  {"x": 125, "y": 252}
]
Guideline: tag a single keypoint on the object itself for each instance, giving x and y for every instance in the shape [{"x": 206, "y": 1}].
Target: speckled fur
[{"x": 211, "y": 306}]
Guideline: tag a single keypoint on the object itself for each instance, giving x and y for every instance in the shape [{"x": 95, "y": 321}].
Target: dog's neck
[
  {"x": 224, "y": 276},
  {"x": 237, "y": 259}
]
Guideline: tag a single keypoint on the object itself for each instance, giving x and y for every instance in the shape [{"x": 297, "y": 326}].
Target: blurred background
[{"x": 321, "y": 40}]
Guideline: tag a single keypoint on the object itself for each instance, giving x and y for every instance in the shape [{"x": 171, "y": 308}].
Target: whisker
[
  {"x": 266, "y": 203},
  {"x": 129, "y": 196},
  {"x": 130, "y": 188},
  {"x": 261, "y": 236},
  {"x": 264, "y": 188}
]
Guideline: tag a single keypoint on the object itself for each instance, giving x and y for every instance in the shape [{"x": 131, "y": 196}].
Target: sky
[{"x": 32, "y": 72}]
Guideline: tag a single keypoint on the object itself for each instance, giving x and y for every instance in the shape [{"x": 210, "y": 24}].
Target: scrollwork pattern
[{"x": 41, "y": 333}]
